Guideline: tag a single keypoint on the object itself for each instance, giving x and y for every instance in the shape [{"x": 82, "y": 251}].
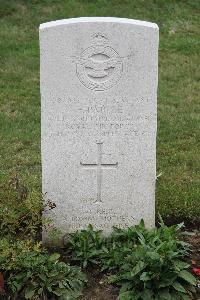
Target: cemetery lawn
[{"x": 178, "y": 142}]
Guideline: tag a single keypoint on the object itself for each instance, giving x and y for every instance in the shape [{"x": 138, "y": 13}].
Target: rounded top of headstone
[{"x": 98, "y": 20}]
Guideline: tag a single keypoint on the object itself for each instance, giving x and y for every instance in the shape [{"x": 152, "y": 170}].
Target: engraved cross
[{"x": 99, "y": 166}]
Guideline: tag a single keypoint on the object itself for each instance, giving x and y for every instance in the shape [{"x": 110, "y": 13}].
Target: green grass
[{"x": 178, "y": 142}]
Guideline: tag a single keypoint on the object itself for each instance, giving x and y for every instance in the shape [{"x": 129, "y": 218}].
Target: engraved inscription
[
  {"x": 100, "y": 66},
  {"x": 100, "y": 217},
  {"x": 103, "y": 116},
  {"x": 99, "y": 166}
]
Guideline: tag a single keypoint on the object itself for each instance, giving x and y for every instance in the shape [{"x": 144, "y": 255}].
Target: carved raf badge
[{"x": 100, "y": 66}]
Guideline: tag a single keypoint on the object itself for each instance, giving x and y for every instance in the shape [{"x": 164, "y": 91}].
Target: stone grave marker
[{"x": 99, "y": 119}]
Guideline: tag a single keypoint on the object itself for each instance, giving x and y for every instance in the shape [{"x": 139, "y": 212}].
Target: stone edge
[{"x": 98, "y": 20}]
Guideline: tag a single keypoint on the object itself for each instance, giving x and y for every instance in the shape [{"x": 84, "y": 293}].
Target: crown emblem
[{"x": 99, "y": 39}]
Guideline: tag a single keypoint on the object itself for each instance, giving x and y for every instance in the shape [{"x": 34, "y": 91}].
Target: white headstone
[{"x": 99, "y": 94}]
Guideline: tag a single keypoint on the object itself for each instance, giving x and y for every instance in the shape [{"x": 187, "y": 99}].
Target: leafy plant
[
  {"x": 36, "y": 276},
  {"x": 145, "y": 263},
  {"x": 20, "y": 210},
  {"x": 85, "y": 246},
  {"x": 121, "y": 243},
  {"x": 10, "y": 249},
  {"x": 155, "y": 268}
]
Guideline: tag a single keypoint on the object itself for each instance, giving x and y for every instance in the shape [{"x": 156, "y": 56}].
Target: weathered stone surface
[{"x": 98, "y": 92}]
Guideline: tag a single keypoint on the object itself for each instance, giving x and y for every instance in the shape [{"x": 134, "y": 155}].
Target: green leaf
[
  {"x": 129, "y": 295},
  {"x": 85, "y": 263},
  {"x": 40, "y": 291},
  {"x": 138, "y": 268},
  {"x": 186, "y": 297},
  {"x": 178, "y": 287},
  {"x": 164, "y": 295},
  {"x": 187, "y": 277},
  {"x": 145, "y": 276},
  {"x": 59, "y": 292},
  {"x": 181, "y": 265},
  {"x": 42, "y": 276},
  {"x": 113, "y": 278},
  {"x": 127, "y": 286},
  {"x": 29, "y": 293},
  {"x": 153, "y": 255},
  {"x": 54, "y": 257},
  {"x": 49, "y": 288},
  {"x": 147, "y": 294},
  {"x": 191, "y": 288}
]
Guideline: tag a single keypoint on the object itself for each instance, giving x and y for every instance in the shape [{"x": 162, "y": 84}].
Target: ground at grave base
[{"x": 96, "y": 289}]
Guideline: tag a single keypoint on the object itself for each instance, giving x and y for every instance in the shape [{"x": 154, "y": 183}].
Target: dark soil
[
  {"x": 190, "y": 224},
  {"x": 96, "y": 288},
  {"x": 194, "y": 240}
]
